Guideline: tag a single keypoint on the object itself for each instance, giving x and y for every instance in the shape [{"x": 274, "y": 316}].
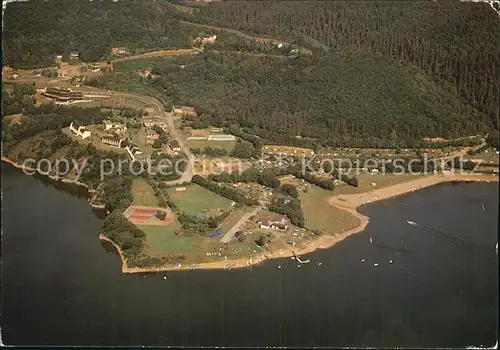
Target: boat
[
  {"x": 371, "y": 240},
  {"x": 279, "y": 266},
  {"x": 362, "y": 260},
  {"x": 376, "y": 264},
  {"x": 319, "y": 264},
  {"x": 413, "y": 223},
  {"x": 298, "y": 265},
  {"x": 390, "y": 261},
  {"x": 483, "y": 207}
]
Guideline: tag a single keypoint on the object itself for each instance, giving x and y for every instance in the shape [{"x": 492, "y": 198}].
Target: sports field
[
  {"x": 196, "y": 200},
  {"x": 163, "y": 240},
  {"x": 147, "y": 215}
]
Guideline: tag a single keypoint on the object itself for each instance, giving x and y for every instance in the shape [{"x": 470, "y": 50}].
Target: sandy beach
[{"x": 349, "y": 203}]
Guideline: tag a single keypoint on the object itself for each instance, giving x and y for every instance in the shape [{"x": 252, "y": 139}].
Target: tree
[
  {"x": 160, "y": 214},
  {"x": 290, "y": 190},
  {"x": 157, "y": 144},
  {"x": 243, "y": 149}
]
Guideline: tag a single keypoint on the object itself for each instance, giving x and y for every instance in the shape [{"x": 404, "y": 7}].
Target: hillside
[
  {"x": 337, "y": 100},
  {"x": 36, "y": 30},
  {"x": 452, "y": 41}
]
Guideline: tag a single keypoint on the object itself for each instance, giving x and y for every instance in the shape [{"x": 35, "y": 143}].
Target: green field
[
  {"x": 196, "y": 198},
  {"x": 143, "y": 193},
  {"x": 321, "y": 216},
  {"x": 163, "y": 240},
  {"x": 365, "y": 183}
]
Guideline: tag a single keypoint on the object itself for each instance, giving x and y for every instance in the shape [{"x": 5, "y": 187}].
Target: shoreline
[
  {"x": 349, "y": 203},
  {"x": 25, "y": 168}
]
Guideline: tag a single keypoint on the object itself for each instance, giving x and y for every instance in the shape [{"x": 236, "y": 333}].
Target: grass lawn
[
  {"x": 201, "y": 144},
  {"x": 365, "y": 183},
  {"x": 233, "y": 218},
  {"x": 162, "y": 240},
  {"x": 196, "y": 198},
  {"x": 320, "y": 215},
  {"x": 143, "y": 193}
]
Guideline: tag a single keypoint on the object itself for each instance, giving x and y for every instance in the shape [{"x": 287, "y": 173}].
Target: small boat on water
[
  {"x": 298, "y": 265},
  {"x": 376, "y": 264},
  {"x": 362, "y": 260},
  {"x": 413, "y": 223},
  {"x": 390, "y": 261},
  {"x": 371, "y": 240},
  {"x": 279, "y": 266},
  {"x": 320, "y": 263},
  {"x": 483, "y": 207}
]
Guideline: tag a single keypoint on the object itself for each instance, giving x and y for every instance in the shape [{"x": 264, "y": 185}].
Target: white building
[{"x": 80, "y": 131}]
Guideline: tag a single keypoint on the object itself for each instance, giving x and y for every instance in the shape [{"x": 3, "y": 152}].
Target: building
[
  {"x": 174, "y": 145},
  {"x": 155, "y": 121},
  {"x": 185, "y": 110},
  {"x": 95, "y": 67},
  {"x": 59, "y": 57},
  {"x": 216, "y": 130},
  {"x": 206, "y": 40},
  {"x": 227, "y": 137},
  {"x": 112, "y": 141},
  {"x": 152, "y": 135},
  {"x": 74, "y": 55},
  {"x": 79, "y": 131},
  {"x": 15, "y": 75},
  {"x": 136, "y": 155},
  {"x": 144, "y": 73},
  {"x": 62, "y": 96},
  {"x": 273, "y": 221},
  {"x": 108, "y": 124},
  {"x": 119, "y": 51}
]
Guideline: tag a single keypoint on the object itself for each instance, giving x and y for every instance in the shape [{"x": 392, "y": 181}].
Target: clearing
[
  {"x": 143, "y": 193},
  {"x": 198, "y": 200},
  {"x": 321, "y": 216}
]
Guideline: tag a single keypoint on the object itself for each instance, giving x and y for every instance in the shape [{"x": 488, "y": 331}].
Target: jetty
[{"x": 299, "y": 260}]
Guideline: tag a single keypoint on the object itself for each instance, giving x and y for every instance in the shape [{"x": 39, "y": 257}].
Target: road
[{"x": 241, "y": 222}]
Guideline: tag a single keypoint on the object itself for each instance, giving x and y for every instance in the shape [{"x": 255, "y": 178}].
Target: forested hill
[
  {"x": 338, "y": 100},
  {"x": 458, "y": 42},
  {"x": 36, "y": 30}
]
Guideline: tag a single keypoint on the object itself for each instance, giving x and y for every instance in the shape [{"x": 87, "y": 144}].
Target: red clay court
[{"x": 147, "y": 215}]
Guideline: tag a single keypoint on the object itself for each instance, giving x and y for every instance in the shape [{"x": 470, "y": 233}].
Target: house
[
  {"x": 152, "y": 135},
  {"x": 74, "y": 55},
  {"x": 206, "y": 40},
  {"x": 119, "y": 51},
  {"x": 95, "y": 67},
  {"x": 216, "y": 130},
  {"x": 273, "y": 221},
  {"x": 79, "y": 131},
  {"x": 144, "y": 73},
  {"x": 15, "y": 75},
  {"x": 108, "y": 124},
  {"x": 185, "y": 110},
  {"x": 136, "y": 155},
  {"x": 155, "y": 121},
  {"x": 59, "y": 57},
  {"x": 112, "y": 141},
  {"x": 36, "y": 73},
  {"x": 174, "y": 144}
]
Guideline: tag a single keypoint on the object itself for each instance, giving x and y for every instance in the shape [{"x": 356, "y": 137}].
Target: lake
[{"x": 62, "y": 286}]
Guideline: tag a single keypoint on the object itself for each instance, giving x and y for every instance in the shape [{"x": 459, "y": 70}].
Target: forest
[
  {"x": 456, "y": 42},
  {"x": 36, "y": 30},
  {"x": 381, "y": 74}
]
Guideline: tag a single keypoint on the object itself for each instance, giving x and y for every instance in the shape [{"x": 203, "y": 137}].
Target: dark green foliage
[
  {"x": 263, "y": 239},
  {"x": 200, "y": 225},
  {"x": 125, "y": 234},
  {"x": 211, "y": 152},
  {"x": 35, "y": 31},
  {"x": 223, "y": 190},
  {"x": 451, "y": 41},
  {"x": 243, "y": 149},
  {"x": 116, "y": 193},
  {"x": 290, "y": 190},
  {"x": 290, "y": 207}
]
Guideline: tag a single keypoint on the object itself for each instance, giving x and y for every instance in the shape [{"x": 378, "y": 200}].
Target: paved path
[{"x": 244, "y": 219}]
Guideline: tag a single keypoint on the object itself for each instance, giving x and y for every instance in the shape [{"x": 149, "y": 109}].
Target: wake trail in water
[{"x": 452, "y": 238}]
